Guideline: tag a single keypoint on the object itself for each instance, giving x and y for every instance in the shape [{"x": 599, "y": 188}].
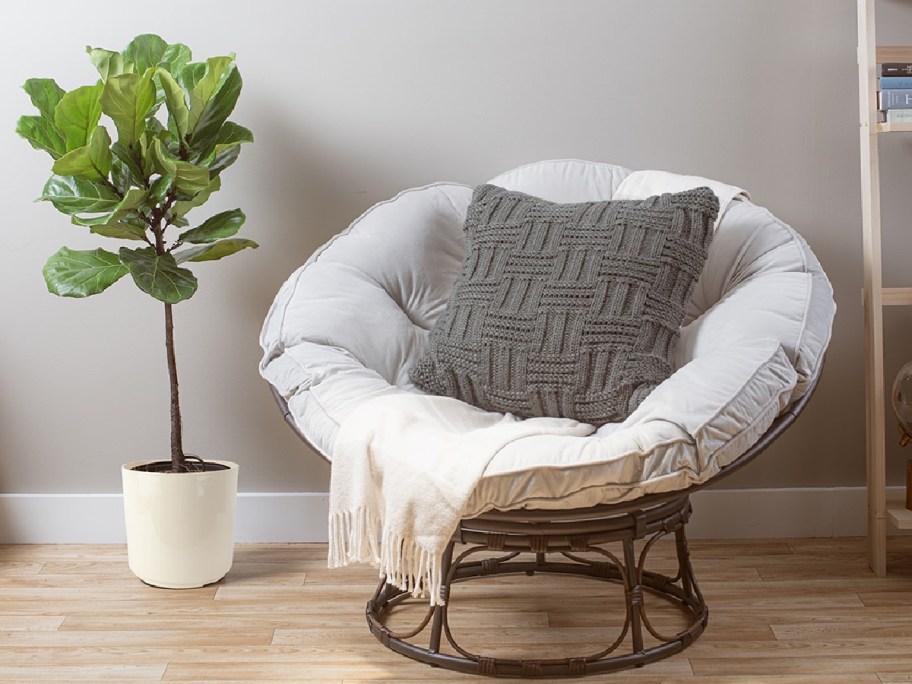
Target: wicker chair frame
[{"x": 523, "y": 541}]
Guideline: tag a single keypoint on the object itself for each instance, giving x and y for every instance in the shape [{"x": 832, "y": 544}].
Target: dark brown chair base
[{"x": 530, "y": 542}]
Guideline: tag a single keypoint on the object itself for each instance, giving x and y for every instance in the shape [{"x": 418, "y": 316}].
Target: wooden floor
[{"x": 789, "y": 611}]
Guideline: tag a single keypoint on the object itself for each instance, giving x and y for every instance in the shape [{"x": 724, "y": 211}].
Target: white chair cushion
[{"x": 347, "y": 325}]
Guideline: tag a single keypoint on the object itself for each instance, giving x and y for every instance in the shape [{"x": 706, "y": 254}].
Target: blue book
[
  {"x": 895, "y": 82},
  {"x": 895, "y": 99}
]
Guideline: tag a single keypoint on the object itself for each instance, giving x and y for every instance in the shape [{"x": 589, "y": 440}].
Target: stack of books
[{"x": 894, "y": 92}]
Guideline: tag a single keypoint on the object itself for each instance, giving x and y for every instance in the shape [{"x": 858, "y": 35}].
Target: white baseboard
[
  {"x": 98, "y": 518},
  {"x": 301, "y": 517},
  {"x": 779, "y": 513}
]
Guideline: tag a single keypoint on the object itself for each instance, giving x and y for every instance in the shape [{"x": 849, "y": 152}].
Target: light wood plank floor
[{"x": 788, "y": 611}]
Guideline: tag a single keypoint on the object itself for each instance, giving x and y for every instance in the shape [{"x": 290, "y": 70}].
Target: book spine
[
  {"x": 895, "y": 82},
  {"x": 896, "y": 69},
  {"x": 895, "y": 99},
  {"x": 899, "y": 115}
]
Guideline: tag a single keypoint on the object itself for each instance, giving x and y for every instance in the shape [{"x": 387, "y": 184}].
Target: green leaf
[
  {"x": 128, "y": 99},
  {"x": 158, "y": 130},
  {"x": 222, "y": 225},
  {"x": 181, "y": 208},
  {"x": 216, "y": 70},
  {"x": 205, "y": 130},
  {"x": 160, "y": 188},
  {"x": 134, "y": 199},
  {"x": 223, "y": 155},
  {"x": 109, "y": 63},
  {"x": 190, "y": 178},
  {"x": 41, "y": 131},
  {"x": 146, "y": 154},
  {"x": 190, "y": 75},
  {"x": 121, "y": 175},
  {"x": 214, "y": 250},
  {"x": 175, "y": 101},
  {"x": 224, "y": 159},
  {"x": 120, "y": 230},
  {"x": 77, "y": 115},
  {"x": 44, "y": 94},
  {"x": 124, "y": 215},
  {"x": 42, "y": 134},
  {"x": 129, "y": 158},
  {"x": 159, "y": 275},
  {"x": 72, "y": 195},
  {"x": 175, "y": 58},
  {"x": 145, "y": 51},
  {"x": 72, "y": 273},
  {"x": 233, "y": 134},
  {"x": 163, "y": 161},
  {"x": 92, "y": 162},
  {"x": 99, "y": 220}
]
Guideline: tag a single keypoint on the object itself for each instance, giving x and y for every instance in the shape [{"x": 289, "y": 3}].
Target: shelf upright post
[{"x": 873, "y": 290}]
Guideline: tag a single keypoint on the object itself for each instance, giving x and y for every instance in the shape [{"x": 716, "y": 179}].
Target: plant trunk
[{"x": 177, "y": 446}]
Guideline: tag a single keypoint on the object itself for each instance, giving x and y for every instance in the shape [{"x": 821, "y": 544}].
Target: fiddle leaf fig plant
[{"x": 133, "y": 154}]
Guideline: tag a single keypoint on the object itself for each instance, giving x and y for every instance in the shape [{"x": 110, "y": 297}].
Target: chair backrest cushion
[{"x": 348, "y": 324}]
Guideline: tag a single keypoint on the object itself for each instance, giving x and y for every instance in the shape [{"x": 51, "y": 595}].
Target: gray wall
[{"x": 352, "y": 101}]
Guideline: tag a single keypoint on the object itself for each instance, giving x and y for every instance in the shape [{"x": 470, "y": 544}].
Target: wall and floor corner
[
  {"x": 301, "y": 517},
  {"x": 352, "y": 101}
]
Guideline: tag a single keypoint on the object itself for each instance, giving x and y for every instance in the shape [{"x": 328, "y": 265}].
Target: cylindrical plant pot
[{"x": 180, "y": 526}]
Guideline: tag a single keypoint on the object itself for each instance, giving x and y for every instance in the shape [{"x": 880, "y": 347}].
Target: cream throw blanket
[
  {"x": 404, "y": 465},
  {"x": 403, "y": 468}
]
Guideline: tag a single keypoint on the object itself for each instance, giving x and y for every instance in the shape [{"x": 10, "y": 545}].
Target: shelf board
[
  {"x": 893, "y": 296},
  {"x": 894, "y": 127},
  {"x": 897, "y": 513},
  {"x": 894, "y": 53},
  {"x": 896, "y": 296}
]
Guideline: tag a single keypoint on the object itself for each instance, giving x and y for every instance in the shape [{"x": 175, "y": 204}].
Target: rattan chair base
[{"x": 527, "y": 544}]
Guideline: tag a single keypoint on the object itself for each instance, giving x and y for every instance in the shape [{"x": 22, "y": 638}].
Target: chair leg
[
  {"x": 439, "y": 618},
  {"x": 633, "y": 595},
  {"x": 689, "y": 586}
]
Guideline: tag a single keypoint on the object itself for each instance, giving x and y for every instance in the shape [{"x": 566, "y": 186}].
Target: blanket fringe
[
  {"x": 353, "y": 537},
  {"x": 406, "y": 563}
]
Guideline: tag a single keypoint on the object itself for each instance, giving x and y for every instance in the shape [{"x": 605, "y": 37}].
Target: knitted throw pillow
[{"x": 567, "y": 310}]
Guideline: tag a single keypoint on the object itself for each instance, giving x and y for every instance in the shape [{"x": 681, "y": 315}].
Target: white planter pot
[{"x": 180, "y": 526}]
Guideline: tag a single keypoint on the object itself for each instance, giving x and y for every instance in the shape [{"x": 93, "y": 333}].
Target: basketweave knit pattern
[{"x": 567, "y": 310}]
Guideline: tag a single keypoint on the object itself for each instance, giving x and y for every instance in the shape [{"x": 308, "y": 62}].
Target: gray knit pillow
[{"x": 568, "y": 310}]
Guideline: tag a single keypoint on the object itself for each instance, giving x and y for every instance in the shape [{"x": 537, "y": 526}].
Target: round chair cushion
[{"x": 348, "y": 324}]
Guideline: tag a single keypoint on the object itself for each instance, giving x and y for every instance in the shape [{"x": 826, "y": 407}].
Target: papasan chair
[{"x": 447, "y": 352}]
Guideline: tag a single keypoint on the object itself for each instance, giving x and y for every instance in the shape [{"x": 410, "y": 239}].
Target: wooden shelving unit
[{"x": 880, "y": 509}]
